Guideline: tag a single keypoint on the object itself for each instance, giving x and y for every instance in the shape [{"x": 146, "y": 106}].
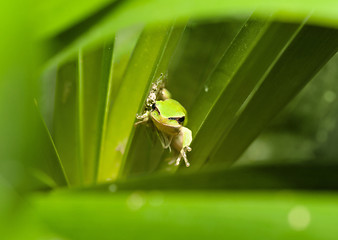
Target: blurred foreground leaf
[
  {"x": 65, "y": 33},
  {"x": 198, "y": 215}
]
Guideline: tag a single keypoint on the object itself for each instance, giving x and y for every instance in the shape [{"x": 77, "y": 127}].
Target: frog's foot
[
  {"x": 143, "y": 118},
  {"x": 183, "y": 153}
]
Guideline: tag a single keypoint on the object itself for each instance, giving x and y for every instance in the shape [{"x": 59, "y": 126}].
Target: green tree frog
[{"x": 169, "y": 118}]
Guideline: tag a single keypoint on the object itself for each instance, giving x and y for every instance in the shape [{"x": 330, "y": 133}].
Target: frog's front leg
[
  {"x": 143, "y": 118},
  {"x": 182, "y": 144}
]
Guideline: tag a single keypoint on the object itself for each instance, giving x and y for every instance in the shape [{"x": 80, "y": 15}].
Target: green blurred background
[{"x": 257, "y": 79}]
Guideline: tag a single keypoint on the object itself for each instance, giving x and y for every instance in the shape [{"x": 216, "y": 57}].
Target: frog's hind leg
[{"x": 164, "y": 139}]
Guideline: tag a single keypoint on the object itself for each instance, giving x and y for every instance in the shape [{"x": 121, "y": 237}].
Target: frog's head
[
  {"x": 172, "y": 111},
  {"x": 169, "y": 115}
]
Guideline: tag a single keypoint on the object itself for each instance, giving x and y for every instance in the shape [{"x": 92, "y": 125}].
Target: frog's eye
[
  {"x": 154, "y": 108},
  {"x": 181, "y": 120}
]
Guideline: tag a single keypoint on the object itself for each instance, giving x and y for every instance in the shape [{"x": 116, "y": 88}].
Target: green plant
[{"x": 72, "y": 129}]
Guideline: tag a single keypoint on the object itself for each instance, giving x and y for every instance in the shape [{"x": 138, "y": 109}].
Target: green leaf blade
[
  {"x": 284, "y": 81},
  {"x": 241, "y": 69},
  {"x": 95, "y": 68},
  {"x": 145, "y": 153},
  {"x": 129, "y": 99},
  {"x": 66, "y": 115}
]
